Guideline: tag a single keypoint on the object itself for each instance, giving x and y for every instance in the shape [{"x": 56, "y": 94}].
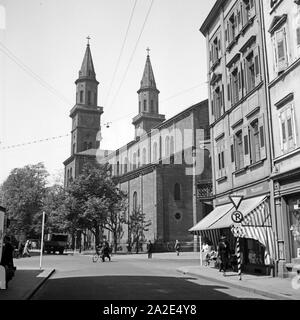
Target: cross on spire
[
  {"x": 88, "y": 39},
  {"x": 148, "y": 50}
]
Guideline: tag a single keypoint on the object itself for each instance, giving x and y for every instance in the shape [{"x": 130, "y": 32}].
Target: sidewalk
[
  {"x": 25, "y": 283},
  {"x": 274, "y": 288}
]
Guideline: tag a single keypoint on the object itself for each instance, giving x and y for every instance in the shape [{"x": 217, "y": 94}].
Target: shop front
[
  {"x": 287, "y": 204},
  {"x": 256, "y": 237}
]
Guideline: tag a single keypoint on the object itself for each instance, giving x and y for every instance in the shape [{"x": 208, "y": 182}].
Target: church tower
[
  {"x": 148, "y": 116},
  {"x": 86, "y": 117}
]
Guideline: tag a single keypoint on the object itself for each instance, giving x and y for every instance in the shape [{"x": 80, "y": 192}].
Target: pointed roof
[
  {"x": 148, "y": 80},
  {"x": 87, "y": 68}
]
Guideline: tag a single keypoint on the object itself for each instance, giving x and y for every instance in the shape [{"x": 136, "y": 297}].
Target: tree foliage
[
  {"x": 23, "y": 194},
  {"x": 94, "y": 201},
  {"x": 137, "y": 226}
]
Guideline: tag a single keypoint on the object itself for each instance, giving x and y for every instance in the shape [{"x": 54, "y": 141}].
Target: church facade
[{"x": 166, "y": 169}]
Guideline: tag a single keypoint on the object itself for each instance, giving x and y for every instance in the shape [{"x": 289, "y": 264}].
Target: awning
[
  {"x": 211, "y": 218},
  {"x": 256, "y": 224}
]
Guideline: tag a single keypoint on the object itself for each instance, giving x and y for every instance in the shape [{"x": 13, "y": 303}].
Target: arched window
[
  {"x": 125, "y": 165},
  {"x": 144, "y": 159},
  {"x": 155, "y": 151},
  {"x": 134, "y": 201},
  {"x": 177, "y": 191},
  {"x": 134, "y": 161},
  {"x": 172, "y": 146},
  {"x": 167, "y": 147},
  {"x": 118, "y": 168}
]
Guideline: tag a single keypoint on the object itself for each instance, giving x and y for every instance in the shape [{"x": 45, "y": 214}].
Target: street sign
[
  {"x": 236, "y": 200},
  {"x": 237, "y": 216}
]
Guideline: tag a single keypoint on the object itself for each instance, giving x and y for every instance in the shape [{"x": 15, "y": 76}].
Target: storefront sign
[{"x": 257, "y": 190}]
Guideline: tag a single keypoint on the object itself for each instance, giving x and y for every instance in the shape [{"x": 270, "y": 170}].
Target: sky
[{"x": 42, "y": 44}]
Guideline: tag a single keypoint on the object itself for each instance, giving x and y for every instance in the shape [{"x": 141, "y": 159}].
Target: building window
[
  {"x": 177, "y": 192},
  {"x": 118, "y": 168},
  {"x": 151, "y": 106},
  {"x": 155, "y": 158},
  {"x": 255, "y": 141},
  {"x": 250, "y": 72},
  {"x": 215, "y": 50},
  {"x": 134, "y": 160},
  {"x": 144, "y": 157},
  {"x": 248, "y": 9},
  {"x": 288, "y": 128},
  {"x": 145, "y": 105},
  {"x": 220, "y": 165},
  {"x": 125, "y": 165},
  {"x": 280, "y": 50},
  {"x": 217, "y": 102},
  {"x": 81, "y": 96},
  {"x": 239, "y": 152},
  {"x": 232, "y": 28},
  {"x": 234, "y": 86},
  {"x": 89, "y": 98},
  {"x": 140, "y": 110},
  {"x": 167, "y": 147}
]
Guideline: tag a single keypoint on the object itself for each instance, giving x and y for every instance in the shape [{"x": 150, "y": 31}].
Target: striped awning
[{"x": 256, "y": 224}]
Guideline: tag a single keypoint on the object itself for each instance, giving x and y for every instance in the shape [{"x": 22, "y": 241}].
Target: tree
[
  {"x": 96, "y": 201},
  {"x": 137, "y": 225},
  {"x": 23, "y": 193}
]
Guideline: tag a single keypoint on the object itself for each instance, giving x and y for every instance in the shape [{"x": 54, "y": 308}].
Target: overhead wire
[
  {"x": 132, "y": 55},
  {"x": 121, "y": 51},
  {"x": 31, "y": 73}
]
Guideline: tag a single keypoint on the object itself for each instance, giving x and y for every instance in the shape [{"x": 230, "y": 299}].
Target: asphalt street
[{"x": 127, "y": 277}]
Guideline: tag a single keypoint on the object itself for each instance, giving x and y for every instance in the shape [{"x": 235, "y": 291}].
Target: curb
[
  {"x": 237, "y": 286},
  {"x": 34, "y": 290}
]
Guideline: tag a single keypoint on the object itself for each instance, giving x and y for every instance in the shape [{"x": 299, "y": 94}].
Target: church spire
[
  {"x": 87, "y": 67},
  {"x": 148, "y": 80}
]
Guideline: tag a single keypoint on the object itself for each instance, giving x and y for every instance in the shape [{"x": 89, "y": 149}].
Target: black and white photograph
[{"x": 149, "y": 155}]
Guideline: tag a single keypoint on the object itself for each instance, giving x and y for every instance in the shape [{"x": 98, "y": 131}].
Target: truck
[{"x": 55, "y": 242}]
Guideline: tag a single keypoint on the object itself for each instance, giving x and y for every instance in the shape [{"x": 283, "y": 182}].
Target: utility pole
[{"x": 42, "y": 239}]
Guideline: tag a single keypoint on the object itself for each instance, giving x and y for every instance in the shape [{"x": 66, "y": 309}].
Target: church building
[{"x": 166, "y": 169}]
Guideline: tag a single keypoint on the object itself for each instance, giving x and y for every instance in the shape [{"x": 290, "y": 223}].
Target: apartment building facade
[
  {"x": 239, "y": 129},
  {"x": 282, "y": 32}
]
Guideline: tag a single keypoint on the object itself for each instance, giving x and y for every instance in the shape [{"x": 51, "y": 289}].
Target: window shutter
[
  {"x": 262, "y": 137},
  {"x": 282, "y": 125},
  {"x": 232, "y": 153},
  {"x": 246, "y": 146},
  {"x": 252, "y": 10},
  {"x": 212, "y": 102},
  {"x": 257, "y": 68},
  {"x": 226, "y": 35},
  {"x": 239, "y": 17},
  {"x": 228, "y": 91},
  {"x": 294, "y": 124},
  {"x": 217, "y": 163},
  {"x": 281, "y": 52},
  {"x": 240, "y": 81}
]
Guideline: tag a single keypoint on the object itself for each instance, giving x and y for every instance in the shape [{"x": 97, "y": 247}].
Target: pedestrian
[
  {"x": 206, "y": 249},
  {"x": 7, "y": 259},
  {"x": 177, "y": 247},
  {"x": 20, "y": 249},
  {"x": 149, "y": 249},
  {"x": 224, "y": 254},
  {"x": 26, "y": 249},
  {"x": 105, "y": 252}
]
